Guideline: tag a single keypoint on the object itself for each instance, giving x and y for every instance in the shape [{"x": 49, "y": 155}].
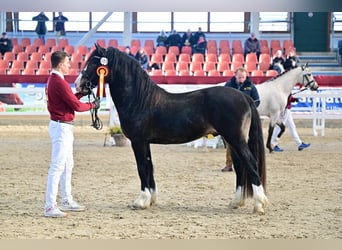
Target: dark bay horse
[{"x": 149, "y": 114}]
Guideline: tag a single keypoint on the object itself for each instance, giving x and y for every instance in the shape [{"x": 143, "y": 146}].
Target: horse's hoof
[
  {"x": 259, "y": 210},
  {"x": 236, "y": 204}
]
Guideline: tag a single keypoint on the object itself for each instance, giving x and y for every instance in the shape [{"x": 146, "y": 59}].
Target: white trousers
[
  {"x": 287, "y": 120},
  {"x": 62, "y": 163}
]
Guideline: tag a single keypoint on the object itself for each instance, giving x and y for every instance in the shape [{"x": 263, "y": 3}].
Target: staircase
[{"x": 322, "y": 63}]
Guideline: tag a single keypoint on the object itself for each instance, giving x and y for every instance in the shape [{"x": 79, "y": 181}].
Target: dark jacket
[
  {"x": 59, "y": 23},
  {"x": 41, "y": 26},
  {"x": 247, "y": 87}
]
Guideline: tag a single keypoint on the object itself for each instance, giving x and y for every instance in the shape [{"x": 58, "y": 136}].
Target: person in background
[
  {"x": 200, "y": 46},
  {"x": 59, "y": 22},
  {"x": 41, "y": 29},
  {"x": 5, "y": 44},
  {"x": 252, "y": 45},
  {"x": 62, "y": 104},
  {"x": 291, "y": 61},
  {"x": 174, "y": 39},
  {"x": 287, "y": 120},
  {"x": 197, "y": 35},
  {"x": 278, "y": 62},
  {"x": 188, "y": 38},
  {"x": 242, "y": 82},
  {"x": 128, "y": 51},
  {"x": 161, "y": 39},
  {"x": 142, "y": 58}
]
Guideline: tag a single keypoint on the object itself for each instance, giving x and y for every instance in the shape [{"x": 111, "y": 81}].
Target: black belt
[{"x": 59, "y": 121}]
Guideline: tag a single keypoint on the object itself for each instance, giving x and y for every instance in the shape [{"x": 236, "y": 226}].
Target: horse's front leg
[
  {"x": 269, "y": 136},
  {"x": 148, "y": 191}
]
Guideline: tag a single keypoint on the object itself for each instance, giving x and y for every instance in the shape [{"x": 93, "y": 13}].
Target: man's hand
[{"x": 97, "y": 103}]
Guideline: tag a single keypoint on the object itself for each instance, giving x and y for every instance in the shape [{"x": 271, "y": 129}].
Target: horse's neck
[{"x": 289, "y": 80}]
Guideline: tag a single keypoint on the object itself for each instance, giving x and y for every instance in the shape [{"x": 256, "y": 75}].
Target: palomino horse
[
  {"x": 275, "y": 92},
  {"x": 149, "y": 114}
]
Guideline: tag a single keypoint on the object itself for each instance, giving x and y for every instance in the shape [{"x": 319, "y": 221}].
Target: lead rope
[{"x": 96, "y": 121}]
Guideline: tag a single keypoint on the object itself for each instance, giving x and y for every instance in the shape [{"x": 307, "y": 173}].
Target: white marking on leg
[
  {"x": 143, "y": 201},
  {"x": 260, "y": 199},
  {"x": 238, "y": 200},
  {"x": 154, "y": 193}
]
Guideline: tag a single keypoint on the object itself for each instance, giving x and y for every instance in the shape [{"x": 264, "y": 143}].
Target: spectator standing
[
  {"x": 59, "y": 22},
  {"x": 161, "y": 39},
  {"x": 278, "y": 62},
  {"x": 252, "y": 45},
  {"x": 287, "y": 120},
  {"x": 142, "y": 58},
  {"x": 41, "y": 29},
  {"x": 5, "y": 44},
  {"x": 62, "y": 104},
  {"x": 241, "y": 82}
]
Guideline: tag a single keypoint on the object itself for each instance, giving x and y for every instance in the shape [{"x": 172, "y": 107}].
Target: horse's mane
[
  {"x": 132, "y": 74},
  {"x": 280, "y": 75}
]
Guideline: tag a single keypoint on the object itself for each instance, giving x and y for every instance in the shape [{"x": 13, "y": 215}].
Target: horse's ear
[
  {"x": 305, "y": 65},
  {"x": 99, "y": 49}
]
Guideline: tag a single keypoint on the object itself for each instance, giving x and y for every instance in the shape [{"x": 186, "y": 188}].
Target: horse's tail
[{"x": 256, "y": 146}]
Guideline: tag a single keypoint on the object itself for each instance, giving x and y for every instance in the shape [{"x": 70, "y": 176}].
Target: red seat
[
  {"x": 199, "y": 72},
  {"x": 32, "y": 64},
  {"x": 214, "y": 72},
  {"x": 168, "y": 65},
  {"x": 113, "y": 43},
  {"x": 184, "y": 72},
  {"x": 45, "y": 64},
  {"x": 101, "y": 42},
  {"x": 156, "y": 72},
  {"x": 224, "y": 57},
  {"x": 182, "y": 66},
  {"x": 157, "y": 58},
  {"x": 14, "y": 71},
  {"x": 228, "y": 72},
  {"x": 149, "y": 43},
  {"x": 184, "y": 57},
  {"x": 235, "y": 65},
  {"x": 170, "y": 57},
  {"x": 69, "y": 49},
  {"x": 161, "y": 50},
  {"x": 207, "y": 66},
  {"x": 221, "y": 66},
  {"x": 251, "y": 57},
  {"x": 36, "y": 56},
  {"x": 18, "y": 64},
  {"x": 257, "y": 72},
  {"x": 186, "y": 50},
  {"x": 136, "y": 43},
  {"x": 195, "y": 66},
  {"x": 27, "y": 71},
  {"x": 271, "y": 72},
  {"x": 238, "y": 58},
  {"x": 211, "y": 57},
  {"x": 197, "y": 57},
  {"x": 42, "y": 71},
  {"x": 250, "y": 66},
  {"x": 170, "y": 72},
  {"x": 173, "y": 50},
  {"x": 22, "y": 56}
]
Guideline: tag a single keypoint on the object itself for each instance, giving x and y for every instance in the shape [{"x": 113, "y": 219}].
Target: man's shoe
[
  {"x": 71, "y": 206},
  {"x": 227, "y": 168},
  {"x": 277, "y": 149},
  {"x": 54, "y": 212},
  {"x": 303, "y": 145}
]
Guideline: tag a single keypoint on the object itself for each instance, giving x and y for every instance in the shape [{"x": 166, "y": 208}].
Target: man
[
  {"x": 241, "y": 82},
  {"x": 5, "y": 44},
  {"x": 62, "y": 104},
  {"x": 59, "y": 24},
  {"x": 252, "y": 45}
]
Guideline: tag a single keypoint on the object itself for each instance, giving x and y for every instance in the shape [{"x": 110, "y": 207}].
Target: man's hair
[
  {"x": 241, "y": 69},
  {"x": 58, "y": 57}
]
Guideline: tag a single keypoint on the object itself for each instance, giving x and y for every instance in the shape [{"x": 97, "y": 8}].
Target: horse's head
[
  {"x": 95, "y": 70},
  {"x": 308, "y": 79}
]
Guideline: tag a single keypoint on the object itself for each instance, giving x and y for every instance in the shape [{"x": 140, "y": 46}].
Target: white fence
[{"x": 318, "y": 112}]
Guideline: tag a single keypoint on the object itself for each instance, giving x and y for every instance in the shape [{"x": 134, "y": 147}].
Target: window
[
  {"x": 114, "y": 23},
  {"x": 153, "y": 21},
  {"x": 337, "y": 21},
  {"x": 190, "y": 20},
  {"x": 274, "y": 21},
  {"x": 227, "y": 21},
  {"x": 26, "y": 23}
]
